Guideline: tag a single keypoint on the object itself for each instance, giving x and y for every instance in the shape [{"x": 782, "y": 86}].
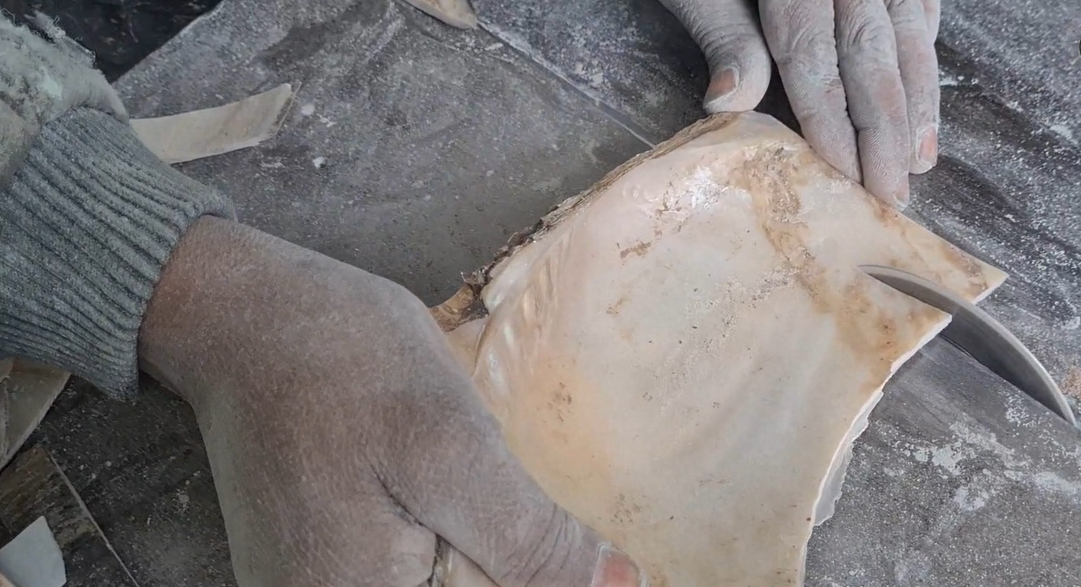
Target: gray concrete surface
[
  {"x": 434, "y": 144},
  {"x": 959, "y": 480}
]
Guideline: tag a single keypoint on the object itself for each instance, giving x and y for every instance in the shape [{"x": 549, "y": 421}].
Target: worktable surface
[{"x": 437, "y": 144}]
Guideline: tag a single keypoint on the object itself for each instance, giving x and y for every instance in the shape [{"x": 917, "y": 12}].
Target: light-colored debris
[
  {"x": 215, "y": 131},
  {"x": 456, "y": 13},
  {"x": 33, "y": 558}
]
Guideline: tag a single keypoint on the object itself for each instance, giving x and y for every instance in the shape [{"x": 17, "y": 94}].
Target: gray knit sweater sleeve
[{"x": 88, "y": 218}]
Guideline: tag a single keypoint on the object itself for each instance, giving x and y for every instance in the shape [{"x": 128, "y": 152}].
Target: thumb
[
  {"x": 455, "y": 475},
  {"x": 730, "y": 37}
]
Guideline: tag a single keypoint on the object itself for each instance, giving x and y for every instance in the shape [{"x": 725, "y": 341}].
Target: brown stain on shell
[
  {"x": 639, "y": 249},
  {"x": 957, "y": 260},
  {"x": 772, "y": 177},
  {"x": 1071, "y": 383},
  {"x": 614, "y": 309}
]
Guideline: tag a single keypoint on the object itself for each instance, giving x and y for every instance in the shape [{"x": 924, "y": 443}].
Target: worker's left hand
[
  {"x": 343, "y": 434},
  {"x": 861, "y": 75}
]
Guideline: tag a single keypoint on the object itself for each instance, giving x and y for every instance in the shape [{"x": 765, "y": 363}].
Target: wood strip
[
  {"x": 26, "y": 394},
  {"x": 34, "y": 486}
]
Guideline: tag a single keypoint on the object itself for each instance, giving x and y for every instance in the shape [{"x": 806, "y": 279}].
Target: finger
[
  {"x": 919, "y": 74},
  {"x": 867, "y": 58},
  {"x": 800, "y": 36},
  {"x": 729, "y": 35},
  {"x": 931, "y": 12},
  {"x": 452, "y": 471}
]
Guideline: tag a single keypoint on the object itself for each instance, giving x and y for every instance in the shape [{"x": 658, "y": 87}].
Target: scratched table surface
[{"x": 414, "y": 150}]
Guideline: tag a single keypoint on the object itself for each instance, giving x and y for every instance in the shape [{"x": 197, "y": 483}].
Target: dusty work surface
[{"x": 413, "y": 150}]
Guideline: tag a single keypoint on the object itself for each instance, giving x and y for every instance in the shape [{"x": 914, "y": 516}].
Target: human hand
[
  {"x": 87, "y": 214},
  {"x": 343, "y": 435},
  {"x": 861, "y": 76}
]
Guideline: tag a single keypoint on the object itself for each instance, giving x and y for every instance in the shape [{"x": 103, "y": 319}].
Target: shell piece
[
  {"x": 683, "y": 356},
  {"x": 215, "y": 131},
  {"x": 456, "y": 13}
]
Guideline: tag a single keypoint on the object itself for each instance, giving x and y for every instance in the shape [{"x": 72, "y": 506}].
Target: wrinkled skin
[
  {"x": 342, "y": 434},
  {"x": 861, "y": 75}
]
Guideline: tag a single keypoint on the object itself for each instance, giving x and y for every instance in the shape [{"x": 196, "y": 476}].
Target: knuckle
[
  {"x": 866, "y": 37},
  {"x": 791, "y": 27},
  {"x": 717, "y": 42},
  {"x": 718, "y": 27},
  {"x": 805, "y": 45},
  {"x": 794, "y": 13},
  {"x": 904, "y": 9},
  {"x": 824, "y": 107},
  {"x": 909, "y": 21},
  {"x": 919, "y": 13},
  {"x": 886, "y": 113},
  {"x": 860, "y": 31},
  {"x": 818, "y": 94},
  {"x": 541, "y": 552}
]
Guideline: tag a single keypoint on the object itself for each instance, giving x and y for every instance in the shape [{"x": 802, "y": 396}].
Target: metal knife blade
[{"x": 981, "y": 336}]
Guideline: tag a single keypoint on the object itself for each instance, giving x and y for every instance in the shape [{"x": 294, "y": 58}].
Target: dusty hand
[
  {"x": 342, "y": 434},
  {"x": 861, "y": 75}
]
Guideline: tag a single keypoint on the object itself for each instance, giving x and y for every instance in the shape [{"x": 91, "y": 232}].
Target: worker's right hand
[
  {"x": 861, "y": 76},
  {"x": 343, "y": 435}
]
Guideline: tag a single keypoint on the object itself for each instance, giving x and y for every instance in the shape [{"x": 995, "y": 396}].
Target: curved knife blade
[{"x": 981, "y": 336}]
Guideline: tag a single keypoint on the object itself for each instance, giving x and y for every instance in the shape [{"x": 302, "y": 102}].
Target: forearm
[{"x": 88, "y": 220}]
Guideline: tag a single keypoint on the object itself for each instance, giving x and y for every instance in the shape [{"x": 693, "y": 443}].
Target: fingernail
[
  {"x": 901, "y": 196},
  {"x": 927, "y": 153},
  {"x": 723, "y": 85},
  {"x": 616, "y": 569}
]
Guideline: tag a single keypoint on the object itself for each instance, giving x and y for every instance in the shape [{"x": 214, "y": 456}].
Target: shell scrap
[{"x": 683, "y": 355}]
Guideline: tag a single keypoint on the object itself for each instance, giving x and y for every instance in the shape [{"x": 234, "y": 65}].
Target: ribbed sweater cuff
[{"x": 86, "y": 226}]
